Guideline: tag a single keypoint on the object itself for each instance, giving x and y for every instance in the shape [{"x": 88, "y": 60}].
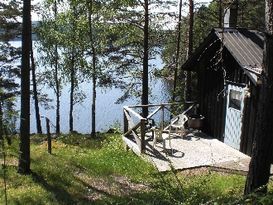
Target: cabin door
[{"x": 234, "y": 115}]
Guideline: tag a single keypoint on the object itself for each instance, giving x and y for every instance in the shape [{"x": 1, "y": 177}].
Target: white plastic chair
[
  {"x": 160, "y": 137},
  {"x": 178, "y": 124}
]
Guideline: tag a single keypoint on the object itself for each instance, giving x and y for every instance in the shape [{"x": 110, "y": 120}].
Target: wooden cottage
[{"x": 227, "y": 65}]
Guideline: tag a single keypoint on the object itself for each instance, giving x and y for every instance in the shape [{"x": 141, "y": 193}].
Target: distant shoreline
[{"x": 34, "y": 36}]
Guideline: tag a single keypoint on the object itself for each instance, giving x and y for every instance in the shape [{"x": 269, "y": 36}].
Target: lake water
[{"x": 108, "y": 113}]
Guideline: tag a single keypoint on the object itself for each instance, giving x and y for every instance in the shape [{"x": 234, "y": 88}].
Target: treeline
[
  {"x": 105, "y": 43},
  {"x": 250, "y": 15},
  {"x": 9, "y": 65}
]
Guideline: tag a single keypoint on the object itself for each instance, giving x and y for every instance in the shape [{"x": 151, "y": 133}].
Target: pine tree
[
  {"x": 24, "y": 155},
  {"x": 262, "y": 154},
  {"x": 9, "y": 71}
]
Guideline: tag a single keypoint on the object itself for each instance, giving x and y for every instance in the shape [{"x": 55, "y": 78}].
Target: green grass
[{"x": 100, "y": 171}]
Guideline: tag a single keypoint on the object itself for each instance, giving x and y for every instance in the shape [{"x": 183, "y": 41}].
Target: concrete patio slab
[{"x": 196, "y": 150}]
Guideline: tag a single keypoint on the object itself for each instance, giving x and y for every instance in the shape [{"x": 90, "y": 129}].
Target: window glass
[{"x": 235, "y": 99}]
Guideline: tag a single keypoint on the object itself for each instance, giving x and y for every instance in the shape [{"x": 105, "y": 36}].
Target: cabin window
[{"x": 235, "y": 99}]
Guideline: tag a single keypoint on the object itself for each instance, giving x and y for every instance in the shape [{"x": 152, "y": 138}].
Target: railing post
[
  {"x": 48, "y": 136},
  {"x": 125, "y": 122},
  {"x": 142, "y": 135},
  {"x": 162, "y": 117},
  {"x": 125, "y": 128}
]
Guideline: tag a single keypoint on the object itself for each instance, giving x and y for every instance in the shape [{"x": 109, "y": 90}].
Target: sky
[{"x": 35, "y": 17}]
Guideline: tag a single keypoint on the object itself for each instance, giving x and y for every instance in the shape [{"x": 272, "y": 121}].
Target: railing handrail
[
  {"x": 152, "y": 105},
  {"x": 127, "y": 108}
]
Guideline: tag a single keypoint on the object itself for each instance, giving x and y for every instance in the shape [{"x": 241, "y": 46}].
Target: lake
[{"x": 108, "y": 113}]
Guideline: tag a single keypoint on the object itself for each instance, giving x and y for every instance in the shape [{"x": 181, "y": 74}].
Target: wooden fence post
[{"x": 48, "y": 136}]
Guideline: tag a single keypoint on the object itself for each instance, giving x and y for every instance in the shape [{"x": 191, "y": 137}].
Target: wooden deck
[{"x": 195, "y": 150}]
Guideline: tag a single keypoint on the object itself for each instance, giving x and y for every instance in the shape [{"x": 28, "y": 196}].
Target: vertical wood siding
[{"x": 210, "y": 85}]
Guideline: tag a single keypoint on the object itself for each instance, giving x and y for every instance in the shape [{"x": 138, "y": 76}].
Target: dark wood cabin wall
[
  {"x": 246, "y": 121},
  {"x": 210, "y": 85},
  {"x": 234, "y": 72},
  {"x": 253, "y": 111},
  {"x": 206, "y": 84},
  {"x": 203, "y": 97},
  {"x": 202, "y": 84},
  {"x": 224, "y": 111},
  {"x": 249, "y": 121},
  {"x": 220, "y": 111},
  {"x": 209, "y": 94}
]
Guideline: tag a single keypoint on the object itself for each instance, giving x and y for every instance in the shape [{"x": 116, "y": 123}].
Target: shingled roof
[{"x": 246, "y": 46}]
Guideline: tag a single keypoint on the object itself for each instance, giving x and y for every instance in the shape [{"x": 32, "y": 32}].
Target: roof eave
[{"x": 190, "y": 64}]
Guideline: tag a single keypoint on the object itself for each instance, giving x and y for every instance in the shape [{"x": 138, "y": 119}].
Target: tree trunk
[
  {"x": 190, "y": 48},
  {"x": 220, "y": 15},
  {"x": 177, "y": 50},
  {"x": 94, "y": 64},
  {"x": 24, "y": 147},
  {"x": 72, "y": 71},
  {"x": 1, "y": 113},
  {"x": 72, "y": 88},
  {"x": 1, "y": 123},
  {"x": 259, "y": 168},
  {"x": 94, "y": 93},
  {"x": 56, "y": 77},
  {"x": 57, "y": 99},
  {"x": 93, "y": 133},
  {"x": 35, "y": 93},
  {"x": 145, "y": 76}
]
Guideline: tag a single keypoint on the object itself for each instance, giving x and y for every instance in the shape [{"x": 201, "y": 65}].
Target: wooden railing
[{"x": 136, "y": 126}]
